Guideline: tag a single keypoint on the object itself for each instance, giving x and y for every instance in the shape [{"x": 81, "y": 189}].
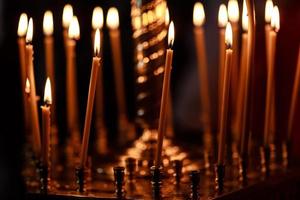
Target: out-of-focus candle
[
  {"x": 71, "y": 77},
  {"x": 90, "y": 101},
  {"x": 49, "y": 55},
  {"x": 165, "y": 95},
  {"x": 275, "y": 25},
  {"x": 222, "y": 21},
  {"x": 66, "y": 20},
  {"x": 167, "y": 17},
  {"x": 33, "y": 107},
  {"x": 97, "y": 22},
  {"x": 225, "y": 95},
  {"x": 199, "y": 19},
  {"x": 46, "y": 123}
]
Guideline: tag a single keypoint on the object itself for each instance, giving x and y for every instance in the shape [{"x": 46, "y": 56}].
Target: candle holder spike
[
  {"x": 220, "y": 175},
  {"x": 286, "y": 154},
  {"x": 80, "y": 173},
  {"x": 195, "y": 182},
  {"x": 119, "y": 175},
  {"x": 177, "y": 165},
  {"x": 265, "y": 160},
  {"x": 243, "y": 169},
  {"x": 44, "y": 179},
  {"x": 130, "y": 168},
  {"x": 156, "y": 181}
]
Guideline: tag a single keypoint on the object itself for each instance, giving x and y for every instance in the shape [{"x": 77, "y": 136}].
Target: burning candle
[
  {"x": 241, "y": 85},
  {"x": 66, "y": 21},
  {"x": 222, "y": 21},
  {"x": 294, "y": 100},
  {"x": 275, "y": 26},
  {"x": 233, "y": 16},
  {"x": 72, "y": 105},
  {"x": 27, "y": 105},
  {"x": 90, "y": 101},
  {"x": 46, "y": 123},
  {"x": 97, "y": 22},
  {"x": 112, "y": 21},
  {"x": 199, "y": 19},
  {"x": 165, "y": 93},
  {"x": 268, "y": 13},
  {"x": 167, "y": 17},
  {"x": 225, "y": 94},
  {"x": 49, "y": 53},
  {"x": 33, "y": 107}
]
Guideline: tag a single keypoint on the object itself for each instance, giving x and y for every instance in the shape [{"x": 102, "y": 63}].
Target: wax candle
[
  {"x": 165, "y": 93},
  {"x": 112, "y": 21},
  {"x": 71, "y": 79},
  {"x": 90, "y": 101},
  {"x": 222, "y": 21},
  {"x": 233, "y": 16},
  {"x": 242, "y": 79},
  {"x": 294, "y": 100},
  {"x": 49, "y": 55},
  {"x": 199, "y": 19},
  {"x": 46, "y": 123},
  {"x": 66, "y": 21},
  {"x": 33, "y": 107},
  {"x": 275, "y": 25},
  {"x": 268, "y": 13},
  {"x": 22, "y": 28},
  {"x": 225, "y": 94}
]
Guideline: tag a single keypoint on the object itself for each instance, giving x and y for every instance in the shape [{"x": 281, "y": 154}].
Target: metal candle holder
[
  {"x": 156, "y": 176},
  {"x": 80, "y": 179},
  {"x": 195, "y": 182},
  {"x": 119, "y": 174},
  {"x": 220, "y": 175}
]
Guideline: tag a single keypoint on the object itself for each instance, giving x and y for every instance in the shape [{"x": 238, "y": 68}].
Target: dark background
[{"x": 184, "y": 80}]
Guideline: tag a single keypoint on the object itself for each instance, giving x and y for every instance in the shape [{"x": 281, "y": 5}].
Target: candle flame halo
[
  {"x": 198, "y": 14},
  {"x": 222, "y": 16},
  {"x": 167, "y": 17},
  {"x": 29, "y": 33},
  {"x": 228, "y": 36},
  {"x": 23, "y": 23},
  {"x": 275, "y": 20},
  {"x": 67, "y": 15},
  {"x": 112, "y": 19},
  {"x": 171, "y": 34},
  {"x": 48, "y": 93},
  {"x": 74, "y": 30},
  {"x": 48, "y": 23},
  {"x": 97, "y": 43},
  {"x": 27, "y": 86},
  {"x": 268, "y": 11},
  {"x": 97, "y": 18},
  {"x": 233, "y": 11},
  {"x": 245, "y": 22}
]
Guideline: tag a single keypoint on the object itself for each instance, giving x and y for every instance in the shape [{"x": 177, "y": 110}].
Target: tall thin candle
[
  {"x": 295, "y": 97},
  {"x": 72, "y": 104},
  {"x": 225, "y": 95},
  {"x": 90, "y": 101},
  {"x": 198, "y": 19},
  {"x": 275, "y": 24},
  {"x": 46, "y": 123},
  {"x": 164, "y": 97},
  {"x": 34, "y": 110}
]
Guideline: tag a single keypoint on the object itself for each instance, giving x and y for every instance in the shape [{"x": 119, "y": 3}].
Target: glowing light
[
  {"x": 268, "y": 10},
  {"x": 67, "y": 15},
  {"x": 171, "y": 34},
  {"x": 245, "y": 17},
  {"x": 74, "y": 30},
  {"x": 97, "y": 43},
  {"x": 97, "y": 18},
  {"x": 48, "y": 23},
  {"x": 222, "y": 16},
  {"x": 198, "y": 14},
  {"x": 275, "y": 20},
  {"x": 233, "y": 11},
  {"x": 112, "y": 19},
  {"x": 47, "y": 93},
  {"x": 228, "y": 35},
  {"x": 29, "y": 33},
  {"x": 23, "y": 23},
  {"x": 27, "y": 86},
  {"x": 167, "y": 17}
]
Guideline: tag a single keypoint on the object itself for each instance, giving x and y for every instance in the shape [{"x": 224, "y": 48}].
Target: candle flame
[
  {"x": 74, "y": 30},
  {"x": 171, "y": 34},
  {"x": 275, "y": 20},
  {"x": 228, "y": 35},
  {"x": 27, "y": 86},
  {"x": 67, "y": 15},
  {"x": 245, "y": 21},
  {"x": 222, "y": 16},
  {"x": 47, "y": 93},
  {"x": 97, "y": 18},
  {"x": 112, "y": 19},
  {"x": 233, "y": 11},
  {"x": 268, "y": 10},
  {"x": 167, "y": 17},
  {"x": 198, "y": 14},
  {"x": 48, "y": 23},
  {"x": 23, "y": 23},
  {"x": 97, "y": 43},
  {"x": 29, "y": 33}
]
